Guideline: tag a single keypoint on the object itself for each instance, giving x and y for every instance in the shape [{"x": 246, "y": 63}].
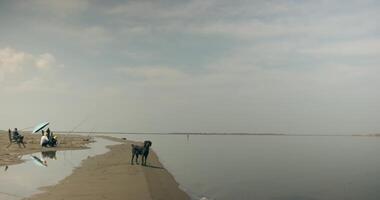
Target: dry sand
[
  {"x": 12, "y": 154},
  {"x": 111, "y": 176}
]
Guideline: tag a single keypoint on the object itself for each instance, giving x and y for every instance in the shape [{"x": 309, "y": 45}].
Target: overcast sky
[{"x": 294, "y": 66}]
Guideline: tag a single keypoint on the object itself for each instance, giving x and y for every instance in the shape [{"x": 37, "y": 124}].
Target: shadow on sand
[{"x": 152, "y": 166}]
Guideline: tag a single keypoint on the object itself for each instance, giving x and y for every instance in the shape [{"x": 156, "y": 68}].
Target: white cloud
[
  {"x": 45, "y": 61},
  {"x": 13, "y": 61},
  {"x": 22, "y": 71}
]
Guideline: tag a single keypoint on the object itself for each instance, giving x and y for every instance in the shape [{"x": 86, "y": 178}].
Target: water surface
[
  {"x": 271, "y": 167},
  {"x": 23, "y": 180}
]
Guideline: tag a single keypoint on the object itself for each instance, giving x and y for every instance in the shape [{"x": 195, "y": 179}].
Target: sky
[{"x": 289, "y": 66}]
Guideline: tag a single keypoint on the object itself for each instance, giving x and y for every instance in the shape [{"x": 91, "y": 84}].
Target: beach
[
  {"x": 10, "y": 154},
  {"x": 105, "y": 176}
]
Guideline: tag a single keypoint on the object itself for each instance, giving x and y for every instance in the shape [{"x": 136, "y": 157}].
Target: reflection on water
[
  {"x": 22, "y": 180},
  {"x": 49, "y": 154},
  {"x": 271, "y": 167}
]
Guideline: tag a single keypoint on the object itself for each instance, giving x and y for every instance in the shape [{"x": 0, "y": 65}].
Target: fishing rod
[{"x": 26, "y": 128}]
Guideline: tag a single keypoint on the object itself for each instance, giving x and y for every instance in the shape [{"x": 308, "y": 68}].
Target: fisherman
[
  {"x": 17, "y": 136},
  {"x": 44, "y": 141},
  {"x": 53, "y": 140},
  {"x": 10, "y": 135},
  {"x": 48, "y": 133}
]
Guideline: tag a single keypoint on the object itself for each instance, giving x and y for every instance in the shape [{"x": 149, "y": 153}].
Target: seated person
[
  {"x": 53, "y": 141},
  {"x": 44, "y": 141},
  {"x": 49, "y": 134},
  {"x": 16, "y": 136}
]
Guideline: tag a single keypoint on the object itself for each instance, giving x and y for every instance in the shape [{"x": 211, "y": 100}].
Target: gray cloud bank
[{"x": 191, "y": 66}]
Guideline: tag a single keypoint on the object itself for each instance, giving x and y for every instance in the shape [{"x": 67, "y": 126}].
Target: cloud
[
  {"x": 249, "y": 20},
  {"x": 12, "y": 60},
  {"x": 363, "y": 47},
  {"x": 80, "y": 34},
  {"x": 208, "y": 65},
  {"x": 152, "y": 73},
  {"x": 21, "y": 70},
  {"x": 62, "y": 8},
  {"x": 45, "y": 61}
]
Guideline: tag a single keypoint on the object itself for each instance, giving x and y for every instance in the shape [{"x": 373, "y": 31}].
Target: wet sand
[
  {"x": 10, "y": 155},
  {"x": 111, "y": 176}
]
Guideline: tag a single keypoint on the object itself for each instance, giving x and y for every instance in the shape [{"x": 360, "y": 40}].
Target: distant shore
[
  {"x": 220, "y": 133},
  {"x": 111, "y": 176}
]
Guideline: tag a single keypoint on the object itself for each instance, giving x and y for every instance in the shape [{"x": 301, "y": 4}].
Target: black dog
[{"x": 141, "y": 150}]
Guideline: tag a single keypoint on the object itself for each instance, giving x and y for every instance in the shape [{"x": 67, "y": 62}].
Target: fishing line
[
  {"x": 72, "y": 131},
  {"x": 80, "y": 124},
  {"x": 12, "y": 195}
]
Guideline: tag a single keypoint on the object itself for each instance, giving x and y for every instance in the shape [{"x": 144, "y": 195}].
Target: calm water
[
  {"x": 234, "y": 167},
  {"x": 272, "y": 167},
  {"x": 22, "y": 180}
]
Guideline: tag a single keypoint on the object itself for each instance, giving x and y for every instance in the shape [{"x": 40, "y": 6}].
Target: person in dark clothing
[
  {"x": 48, "y": 134},
  {"x": 17, "y": 137}
]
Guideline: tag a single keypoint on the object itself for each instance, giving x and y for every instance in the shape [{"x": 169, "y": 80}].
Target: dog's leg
[
  {"x": 137, "y": 158},
  {"x": 133, "y": 155},
  {"x": 146, "y": 157}
]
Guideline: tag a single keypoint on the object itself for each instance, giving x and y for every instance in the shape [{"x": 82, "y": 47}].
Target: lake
[{"x": 271, "y": 167}]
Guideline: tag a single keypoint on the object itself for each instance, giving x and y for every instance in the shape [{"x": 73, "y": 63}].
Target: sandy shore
[
  {"x": 111, "y": 176},
  {"x": 10, "y": 155}
]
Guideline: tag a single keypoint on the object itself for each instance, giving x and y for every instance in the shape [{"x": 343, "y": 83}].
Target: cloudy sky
[{"x": 290, "y": 66}]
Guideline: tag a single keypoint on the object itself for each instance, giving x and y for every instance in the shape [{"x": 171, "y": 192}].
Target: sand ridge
[{"x": 111, "y": 176}]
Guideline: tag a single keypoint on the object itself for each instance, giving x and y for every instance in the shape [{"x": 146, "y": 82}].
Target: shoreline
[
  {"x": 11, "y": 155},
  {"x": 111, "y": 176}
]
